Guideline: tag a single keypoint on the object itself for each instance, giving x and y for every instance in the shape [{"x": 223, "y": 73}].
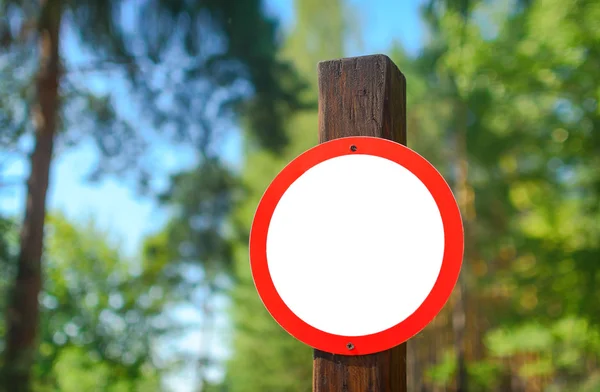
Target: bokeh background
[{"x": 169, "y": 118}]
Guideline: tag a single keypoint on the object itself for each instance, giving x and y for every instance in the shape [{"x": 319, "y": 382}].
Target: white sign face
[
  {"x": 361, "y": 228},
  {"x": 356, "y": 245}
]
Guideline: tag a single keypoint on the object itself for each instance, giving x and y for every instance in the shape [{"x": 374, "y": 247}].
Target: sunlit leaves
[
  {"x": 559, "y": 349},
  {"x": 99, "y": 313}
]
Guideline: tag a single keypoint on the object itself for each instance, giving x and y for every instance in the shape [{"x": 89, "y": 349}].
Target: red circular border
[{"x": 437, "y": 298}]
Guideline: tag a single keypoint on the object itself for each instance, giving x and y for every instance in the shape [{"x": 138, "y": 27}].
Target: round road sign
[{"x": 356, "y": 245}]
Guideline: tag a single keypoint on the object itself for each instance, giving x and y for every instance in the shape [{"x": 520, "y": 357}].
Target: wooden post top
[{"x": 362, "y": 96}]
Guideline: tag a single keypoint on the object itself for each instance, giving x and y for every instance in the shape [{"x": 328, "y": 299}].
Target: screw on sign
[{"x": 357, "y": 243}]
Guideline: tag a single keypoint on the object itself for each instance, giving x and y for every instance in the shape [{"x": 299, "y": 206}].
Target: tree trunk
[
  {"x": 459, "y": 311},
  {"x": 23, "y": 310}
]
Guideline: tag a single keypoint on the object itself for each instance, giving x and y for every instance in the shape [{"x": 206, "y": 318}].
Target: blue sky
[{"x": 115, "y": 206}]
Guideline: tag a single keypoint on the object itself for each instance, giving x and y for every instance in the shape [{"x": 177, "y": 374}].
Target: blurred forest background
[{"x": 197, "y": 105}]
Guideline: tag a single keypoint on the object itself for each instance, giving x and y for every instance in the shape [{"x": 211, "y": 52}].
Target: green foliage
[
  {"x": 202, "y": 200},
  {"x": 8, "y": 249},
  {"x": 100, "y": 315},
  {"x": 563, "y": 348},
  {"x": 484, "y": 376},
  {"x": 442, "y": 373},
  {"x": 523, "y": 73}
]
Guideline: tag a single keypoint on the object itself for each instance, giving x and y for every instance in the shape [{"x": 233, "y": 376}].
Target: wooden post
[{"x": 361, "y": 96}]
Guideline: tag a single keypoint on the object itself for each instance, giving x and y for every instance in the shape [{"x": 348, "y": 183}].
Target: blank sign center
[{"x": 355, "y": 245}]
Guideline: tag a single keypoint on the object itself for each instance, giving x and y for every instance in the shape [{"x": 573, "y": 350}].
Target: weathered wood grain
[{"x": 361, "y": 96}]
